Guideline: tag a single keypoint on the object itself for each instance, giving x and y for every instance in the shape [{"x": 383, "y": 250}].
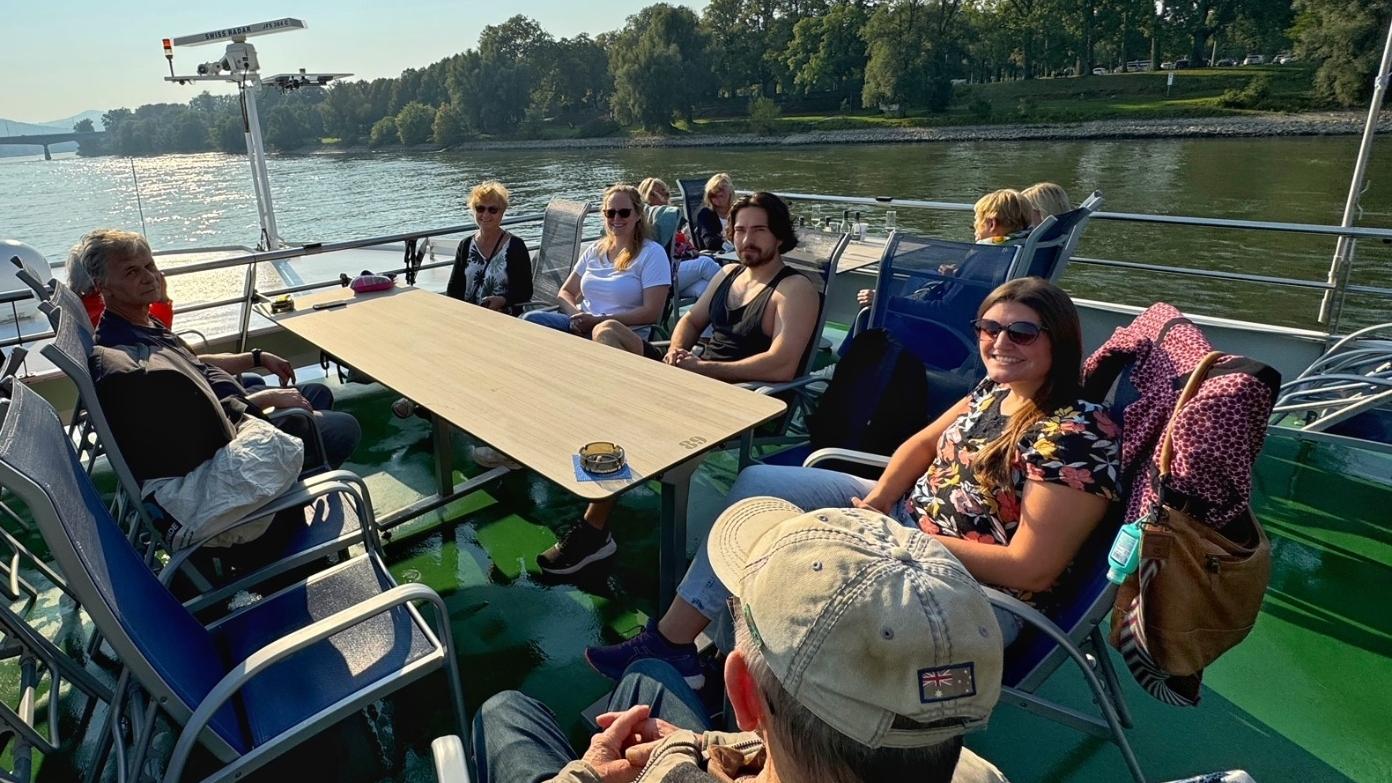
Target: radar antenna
[{"x": 239, "y": 66}]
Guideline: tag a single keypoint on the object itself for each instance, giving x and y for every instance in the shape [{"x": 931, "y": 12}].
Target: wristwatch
[{"x": 255, "y": 357}]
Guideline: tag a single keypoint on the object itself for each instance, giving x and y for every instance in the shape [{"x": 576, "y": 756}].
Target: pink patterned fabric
[{"x": 1218, "y": 433}]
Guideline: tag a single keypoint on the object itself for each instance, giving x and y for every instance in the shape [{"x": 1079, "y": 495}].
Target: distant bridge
[{"x": 45, "y": 139}]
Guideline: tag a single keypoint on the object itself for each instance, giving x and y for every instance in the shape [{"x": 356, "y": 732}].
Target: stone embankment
[{"x": 1308, "y": 124}]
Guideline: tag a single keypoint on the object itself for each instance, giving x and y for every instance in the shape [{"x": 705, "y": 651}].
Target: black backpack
[{"x": 877, "y": 399}]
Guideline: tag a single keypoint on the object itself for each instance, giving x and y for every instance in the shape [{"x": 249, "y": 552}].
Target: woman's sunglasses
[
  {"x": 490, "y": 210},
  {"x": 621, "y": 213},
  {"x": 1020, "y": 332}
]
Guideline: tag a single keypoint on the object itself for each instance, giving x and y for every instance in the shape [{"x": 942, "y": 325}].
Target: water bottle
[
  {"x": 891, "y": 219},
  {"x": 1125, "y": 556},
  {"x": 859, "y": 231}
]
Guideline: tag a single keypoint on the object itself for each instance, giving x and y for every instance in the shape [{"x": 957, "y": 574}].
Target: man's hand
[
  {"x": 680, "y": 357},
  {"x": 282, "y": 369},
  {"x": 279, "y": 399},
  {"x": 620, "y": 731},
  {"x": 494, "y": 302},
  {"x": 865, "y": 297},
  {"x": 584, "y": 323}
]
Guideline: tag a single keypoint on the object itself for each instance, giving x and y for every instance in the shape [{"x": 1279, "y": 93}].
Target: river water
[{"x": 206, "y": 199}]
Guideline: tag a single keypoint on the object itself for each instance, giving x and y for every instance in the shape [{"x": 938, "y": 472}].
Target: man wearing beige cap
[{"x": 864, "y": 651}]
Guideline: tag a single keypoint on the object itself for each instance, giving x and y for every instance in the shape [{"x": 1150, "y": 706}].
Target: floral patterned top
[{"x": 1077, "y": 445}]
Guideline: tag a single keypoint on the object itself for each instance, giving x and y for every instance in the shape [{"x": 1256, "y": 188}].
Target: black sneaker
[{"x": 580, "y": 547}]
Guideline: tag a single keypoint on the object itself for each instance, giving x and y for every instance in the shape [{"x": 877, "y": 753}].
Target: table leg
[
  {"x": 442, "y": 435},
  {"x": 672, "y": 562}
]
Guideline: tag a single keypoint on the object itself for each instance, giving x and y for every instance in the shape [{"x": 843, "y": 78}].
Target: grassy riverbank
[{"x": 1120, "y": 96}]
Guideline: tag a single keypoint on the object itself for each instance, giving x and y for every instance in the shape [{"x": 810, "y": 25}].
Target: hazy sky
[{"x": 66, "y": 56}]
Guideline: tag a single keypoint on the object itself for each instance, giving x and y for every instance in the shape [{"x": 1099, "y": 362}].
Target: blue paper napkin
[{"x": 623, "y": 474}]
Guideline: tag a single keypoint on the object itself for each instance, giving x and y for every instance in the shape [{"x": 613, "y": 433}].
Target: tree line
[{"x": 762, "y": 57}]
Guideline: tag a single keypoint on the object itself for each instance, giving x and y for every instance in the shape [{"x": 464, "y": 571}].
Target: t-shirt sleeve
[
  {"x": 1076, "y": 446},
  {"x": 586, "y": 256},
  {"x": 653, "y": 267}
]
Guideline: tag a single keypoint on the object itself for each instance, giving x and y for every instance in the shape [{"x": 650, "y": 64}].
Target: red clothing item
[{"x": 162, "y": 311}]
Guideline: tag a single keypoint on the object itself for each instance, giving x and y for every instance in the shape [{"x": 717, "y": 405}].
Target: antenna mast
[{"x": 240, "y": 66}]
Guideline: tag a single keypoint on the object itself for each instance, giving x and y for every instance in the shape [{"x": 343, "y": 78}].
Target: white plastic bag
[{"x": 258, "y": 465}]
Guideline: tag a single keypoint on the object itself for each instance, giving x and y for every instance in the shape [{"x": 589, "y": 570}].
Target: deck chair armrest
[
  {"x": 845, "y": 455},
  {"x": 202, "y": 338},
  {"x": 300, "y": 493},
  {"x": 450, "y": 764},
  {"x": 761, "y": 387},
  {"x": 244, "y": 671}
]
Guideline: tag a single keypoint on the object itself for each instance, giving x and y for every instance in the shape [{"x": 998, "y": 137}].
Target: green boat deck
[{"x": 1304, "y": 698}]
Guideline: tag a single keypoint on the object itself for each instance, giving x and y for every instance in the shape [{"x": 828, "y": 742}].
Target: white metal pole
[
  {"x": 260, "y": 177},
  {"x": 1343, "y": 251}
]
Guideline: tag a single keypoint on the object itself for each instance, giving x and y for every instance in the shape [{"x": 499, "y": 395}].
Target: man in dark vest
[
  {"x": 123, "y": 270},
  {"x": 761, "y": 313}
]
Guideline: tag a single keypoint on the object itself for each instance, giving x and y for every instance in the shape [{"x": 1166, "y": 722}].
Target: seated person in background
[
  {"x": 762, "y": 314},
  {"x": 623, "y": 277},
  {"x": 492, "y": 268},
  {"x": 713, "y": 219},
  {"x": 694, "y": 271},
  {"x": 81, "y": 284},
  {"x": 1047, "y": 199},
  {"x": 655, "y": 193},
  {"x": 123, "y": 271},
  {"x": 868, "y": 671},
  {"x": 1001, "y": 217},
  {"x": 1013, "y": 479}
]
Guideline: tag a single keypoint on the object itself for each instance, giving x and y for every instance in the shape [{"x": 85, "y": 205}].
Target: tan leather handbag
[{"x": 1198, "y": 590}]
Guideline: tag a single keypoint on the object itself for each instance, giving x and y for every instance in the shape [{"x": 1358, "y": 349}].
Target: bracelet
[{"x": 255, "y": 357}]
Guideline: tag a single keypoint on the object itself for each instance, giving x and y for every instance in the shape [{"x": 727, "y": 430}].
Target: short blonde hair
[
  {"x": 720, "y": 181},
  {"x": 647, "y": 186},
  {"x": 1047, "y": 199},
  {"x": 1011, "y": 210},
  {"x": 489, "y": 190},
  {"x": 94, "y": 252}
]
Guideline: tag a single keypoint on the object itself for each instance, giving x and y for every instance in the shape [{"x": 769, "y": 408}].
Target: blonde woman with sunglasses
[
  {"x": 492, "y": 268},
  {"x": 625, "y": 276}
]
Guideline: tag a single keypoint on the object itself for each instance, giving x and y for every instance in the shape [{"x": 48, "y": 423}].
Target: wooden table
[{"x": 537, "y": 394}]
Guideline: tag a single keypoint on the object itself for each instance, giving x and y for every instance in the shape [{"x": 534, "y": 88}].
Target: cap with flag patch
[{"x": 874, "y": 627}]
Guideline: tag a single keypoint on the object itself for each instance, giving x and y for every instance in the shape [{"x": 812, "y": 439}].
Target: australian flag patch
[{"x": 945, "y": 683}]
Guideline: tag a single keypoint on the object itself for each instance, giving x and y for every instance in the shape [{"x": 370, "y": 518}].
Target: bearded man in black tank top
[{"x": 762, "y": 314}]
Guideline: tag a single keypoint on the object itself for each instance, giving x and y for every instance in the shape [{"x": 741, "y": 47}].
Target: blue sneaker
[{"x": 613, "y": 660}]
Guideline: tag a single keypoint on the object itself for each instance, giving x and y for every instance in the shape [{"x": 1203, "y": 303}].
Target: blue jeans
[
  {"x": 339, "y": 431},
  {"x": 808, "y": 489},
  {"x": 549, "y": 318},
  {"x": 518, "y": 740}
]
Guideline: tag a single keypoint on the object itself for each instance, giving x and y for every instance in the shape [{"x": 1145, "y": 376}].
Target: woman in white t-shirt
[{"x": 623, "y": 277}]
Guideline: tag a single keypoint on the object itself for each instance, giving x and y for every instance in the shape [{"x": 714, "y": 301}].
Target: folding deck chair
[
  {"x": 1049, "y": 247},
  {"x": 31, "y": 275},
  {"x": 252, "y": 685},
  {"x": 1072, "y": 632},
  {"x": 693, "y": 195},
  {"x": 562, "y": 231},
  {"x": 330, "y": 524}
]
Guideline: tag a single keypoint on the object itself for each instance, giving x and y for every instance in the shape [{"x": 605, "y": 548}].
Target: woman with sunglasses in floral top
[
  {"x": 492, "y": 268},
  {"x": 1013, "y": 479}
]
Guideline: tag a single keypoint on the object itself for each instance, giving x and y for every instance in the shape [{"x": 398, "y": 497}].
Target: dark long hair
[
  {"x": 1062, "y": 386},
  {"x": 780, "y": 219}
]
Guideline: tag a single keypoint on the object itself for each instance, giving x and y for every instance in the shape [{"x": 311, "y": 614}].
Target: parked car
[
  {"x": 1284, "y": 59},
  {"x": 1138, "y": 65},
  {"x": 1167, "y": 66},
  {"x": 1181, "y": 63},
  {"x": 1254, "y": 59},
  {"x": 1227, "y": 62},
  {"x": 1100, "y": 71}
]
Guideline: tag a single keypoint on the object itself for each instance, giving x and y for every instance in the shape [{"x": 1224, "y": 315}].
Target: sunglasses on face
[
  {"x": 490, "y": 210},
  {"x": 619, "y": 213},
  {"x": 1020, "y": 332}
]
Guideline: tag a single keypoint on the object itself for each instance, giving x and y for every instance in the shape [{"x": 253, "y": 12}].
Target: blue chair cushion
[{"x": 322, "y": 674}]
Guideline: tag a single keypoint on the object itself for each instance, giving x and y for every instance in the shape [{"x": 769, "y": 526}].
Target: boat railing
[{"x": 248, "y": 258}]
